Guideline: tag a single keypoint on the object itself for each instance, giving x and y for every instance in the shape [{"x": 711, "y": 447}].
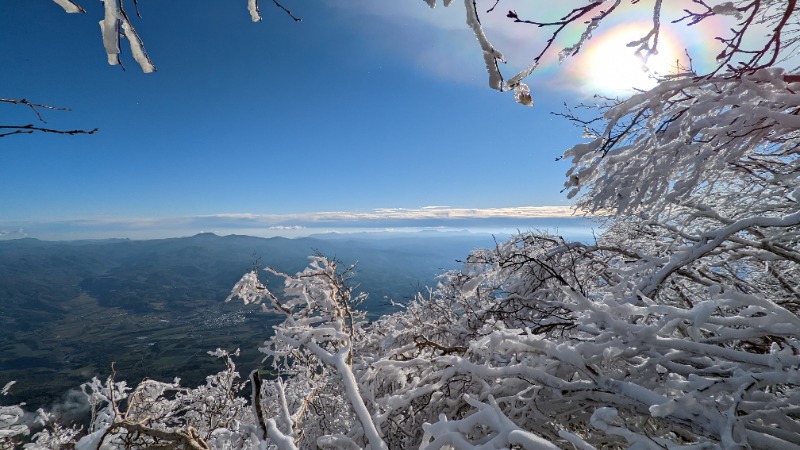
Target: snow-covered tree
[
  {"x": 314, "y": 349},
  {"x": 542, "y": 343},
  {"x": 678, "y": 328}
]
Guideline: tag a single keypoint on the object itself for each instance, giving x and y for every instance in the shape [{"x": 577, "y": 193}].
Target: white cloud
[
  {"x": 404, "y": 214},
  {"x": 290, "y": 225},
  {"x": 13, "y": 234},
  {"x": 286, "y": 227}
]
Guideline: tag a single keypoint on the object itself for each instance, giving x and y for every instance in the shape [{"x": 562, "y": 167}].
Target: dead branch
[{"x": 30, "y": 129}]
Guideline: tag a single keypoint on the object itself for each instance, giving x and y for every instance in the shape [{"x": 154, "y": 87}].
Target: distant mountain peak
[{"x": 206, "y": 235}]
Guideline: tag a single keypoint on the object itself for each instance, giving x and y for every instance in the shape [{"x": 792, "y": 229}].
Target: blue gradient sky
[{"x": 358, "y": 108}]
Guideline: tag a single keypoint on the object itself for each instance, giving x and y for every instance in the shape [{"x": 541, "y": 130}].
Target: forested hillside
[{"x": 161, "y": 300}]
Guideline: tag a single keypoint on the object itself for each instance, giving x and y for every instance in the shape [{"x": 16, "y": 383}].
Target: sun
[{"x": 610, "y": 67}]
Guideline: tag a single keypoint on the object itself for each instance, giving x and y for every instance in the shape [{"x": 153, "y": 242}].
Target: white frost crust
[
  {"x": 450, "y": 433},
  {"x": 108, "y": 26},
  {"x": 252, "y": 6},
  {"x": 136, "y": 48},
  {"x": 575, "y": 440},
  {"x": 69, "y": 6},
  {"x": 490, "y": 54},
  {"x": 92, "y": 441},
  {"x": 7, "y": 387},
  {"x": 432, "y": 3},
  {"x": 522, "y": 94},
  {"x": 280, "y": 440},
  {"x": 11, "y": 420},
  {"x": 472, "y": 285},
  {"x": 337, "y": 441}
]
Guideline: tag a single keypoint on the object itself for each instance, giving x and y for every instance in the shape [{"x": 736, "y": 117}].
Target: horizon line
[{"x": 289, "y": 225}]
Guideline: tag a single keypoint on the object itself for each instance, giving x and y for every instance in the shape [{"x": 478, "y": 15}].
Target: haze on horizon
[{"x": 376, "y": 223}]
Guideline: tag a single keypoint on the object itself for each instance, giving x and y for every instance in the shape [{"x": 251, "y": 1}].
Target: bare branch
[
  {"x": 279, "y": 5},
  {"x": 560, "y": 25},
  {"x": 33, "y": 106},
  {"x": 30, "y": 129}
]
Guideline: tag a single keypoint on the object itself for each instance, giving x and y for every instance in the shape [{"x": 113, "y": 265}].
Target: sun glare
[{"x": 610, "y": 67}]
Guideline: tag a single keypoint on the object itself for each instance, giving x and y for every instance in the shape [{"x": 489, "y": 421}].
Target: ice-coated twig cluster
[{"x": 116, "y": 25}]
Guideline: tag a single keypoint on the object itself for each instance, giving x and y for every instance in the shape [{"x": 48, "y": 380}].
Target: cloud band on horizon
[{"x": 291, "y": 224}]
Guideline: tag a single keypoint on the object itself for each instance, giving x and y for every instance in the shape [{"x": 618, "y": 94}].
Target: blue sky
[{"x": 364, "y": 106}]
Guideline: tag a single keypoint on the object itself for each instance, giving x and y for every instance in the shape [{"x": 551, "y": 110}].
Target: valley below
[{"x": 72, "y": 310}]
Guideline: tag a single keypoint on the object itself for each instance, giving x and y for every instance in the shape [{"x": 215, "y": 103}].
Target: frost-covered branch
[
  {"x": 576, "y": 15},
  {"x": 116, "y": 25},
  {"x": 739, "y": 58},
  {"x": 744, "y": 49},
  {"x": 11, "y": 425},
  {"x": 505, "y": 432},
  {"x": 70, "y": 6},
  {"x": 165, "y": 415},
  {"x": 490, "y": 55},
  {"x": 317, "y": 336},
  {"x": 660, "y": 146}
]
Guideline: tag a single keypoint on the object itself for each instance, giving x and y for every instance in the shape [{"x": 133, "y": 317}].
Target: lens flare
[{"x": 610, "y": 67}]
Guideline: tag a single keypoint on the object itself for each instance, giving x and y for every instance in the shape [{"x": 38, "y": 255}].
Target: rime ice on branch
[
  {"x": 116, "y": 25},
  {"x": 744, "y": 51}
]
